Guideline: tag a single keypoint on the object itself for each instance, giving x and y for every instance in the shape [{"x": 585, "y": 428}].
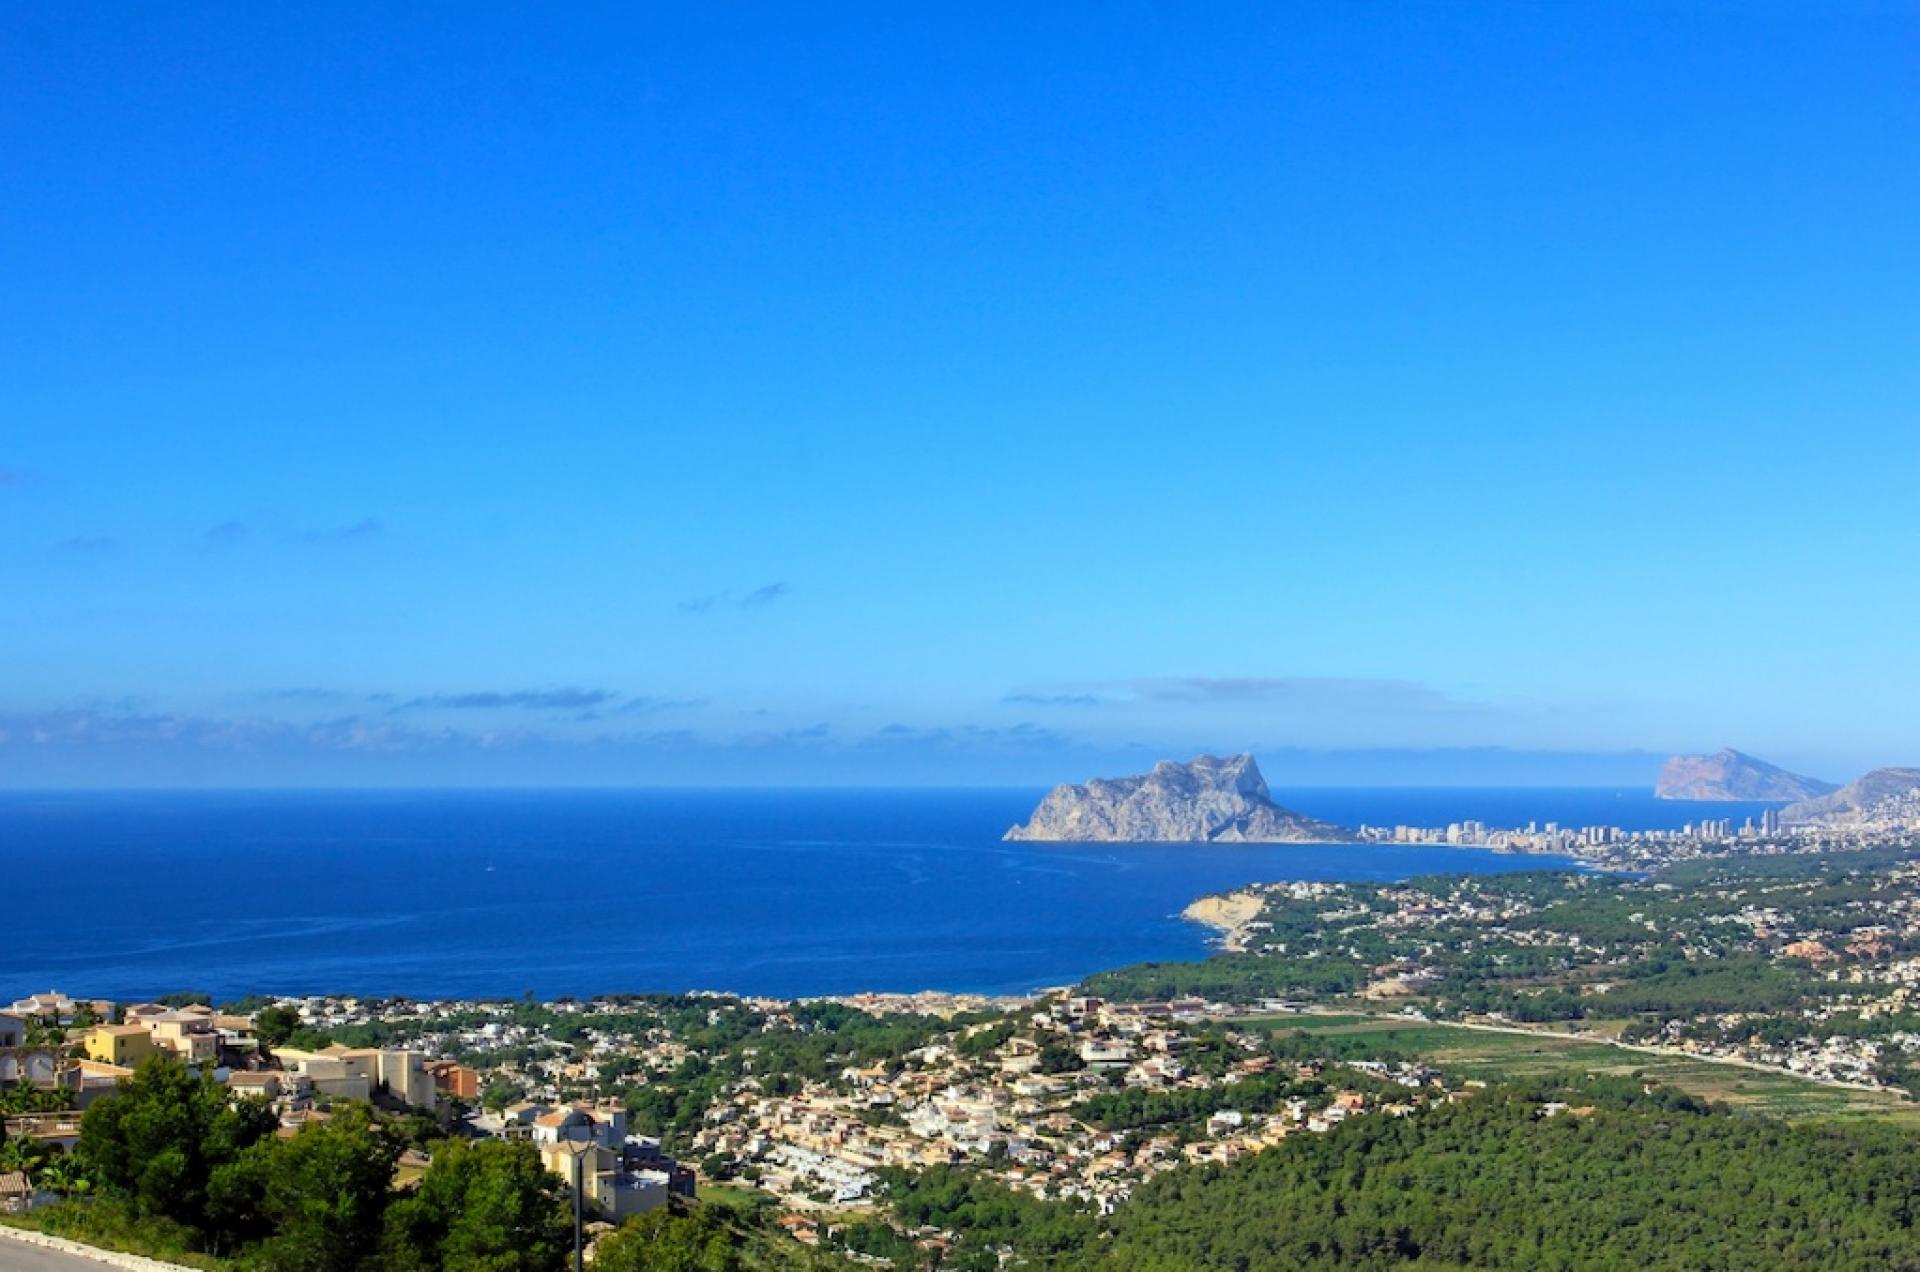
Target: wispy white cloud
[
  {"x": 647, "y": 704},
  {"x": 1349, "y": 694},
  {"x": 1306, "y": 692},
  {"x": 352, "y": 532},
  {"x": 315, "y": 693},
  {"x": 88, "y": 545},
  {"x": 765, "y": 594},
  {"x": 760, "y": 597},
  {"x": 563, "y": 699},
  {"x": 111, "y": 744}
]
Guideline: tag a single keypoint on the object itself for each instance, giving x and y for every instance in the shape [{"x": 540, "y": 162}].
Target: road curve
[{"x": 24, "y": 1252}]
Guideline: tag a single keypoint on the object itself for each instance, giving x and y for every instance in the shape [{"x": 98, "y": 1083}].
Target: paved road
[
  {"x": 15, "y": 1257},
  {"x": 18, "y": 1256}
]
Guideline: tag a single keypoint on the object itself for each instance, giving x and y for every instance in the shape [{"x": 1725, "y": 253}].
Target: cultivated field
[{"x": 1492, "y": 1055}]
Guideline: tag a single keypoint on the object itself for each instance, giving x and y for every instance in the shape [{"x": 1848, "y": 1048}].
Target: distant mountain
[
  {"x": 1729, "y": 775},
  {"x": 1210, "y": 800},
  {"x": 1884, "y": 794}
]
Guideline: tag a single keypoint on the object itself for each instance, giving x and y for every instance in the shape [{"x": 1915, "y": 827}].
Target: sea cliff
[{"x": 1228, "y": 913}]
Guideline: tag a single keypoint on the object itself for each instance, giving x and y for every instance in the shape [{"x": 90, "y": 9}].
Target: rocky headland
[
  {"x": 1229, "y": 913},
  {"x": 1209, "y": 800},
  {"x": 1731, "y": 775}
]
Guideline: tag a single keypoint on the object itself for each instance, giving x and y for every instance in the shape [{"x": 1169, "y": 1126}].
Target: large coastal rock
[
  {"x": 1729, "y": 775},
  {"x": 1887, "y": 794},
  {"x": 1210, "y": 800}
]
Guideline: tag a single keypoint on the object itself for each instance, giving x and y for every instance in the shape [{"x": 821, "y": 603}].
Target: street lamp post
[{"x": 579, "y": 1263}]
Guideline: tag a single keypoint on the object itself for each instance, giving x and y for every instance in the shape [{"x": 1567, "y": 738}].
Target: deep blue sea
[{"x": 450, "y": 894}]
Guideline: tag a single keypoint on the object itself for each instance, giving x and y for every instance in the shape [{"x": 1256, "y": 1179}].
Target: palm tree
[
  {"x": 21, "y": 1152},
  {"x": 22, "y": 1098},
  {"x": 63, "y": 1175}
]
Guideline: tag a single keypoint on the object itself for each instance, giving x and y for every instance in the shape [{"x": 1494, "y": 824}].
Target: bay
[{"x": 441, "y": 894}]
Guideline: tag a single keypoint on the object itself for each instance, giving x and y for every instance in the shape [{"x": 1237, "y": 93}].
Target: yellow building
[{"x": 124, "y": 1045}]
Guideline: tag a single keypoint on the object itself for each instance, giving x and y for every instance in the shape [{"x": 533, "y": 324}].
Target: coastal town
[
  {"x": 1068, "y": 1098},
  {"x": 960, "y": 638},
  {"x": 1783, "y": 946},
  {"x": 1768, "y": 954},
  {"x": 1612, "y": 847}
]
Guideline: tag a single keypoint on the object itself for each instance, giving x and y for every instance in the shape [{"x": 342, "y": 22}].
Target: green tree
[
  {"x": 21, "y": 1152},
  {"x": 158, "y": 1140},
  {"x": 662, "y": 1241},
  {"x": 1641, "y": 1180},
  {"x": 500, "y": 1093},
  {"x": 323, "y": 1193},
  {"x": 274, "y": 1025},
  {"x": 485, "y": 1207},
  {"x": 63, "y": 1175},
  {"x": 22, "y": 1098}
]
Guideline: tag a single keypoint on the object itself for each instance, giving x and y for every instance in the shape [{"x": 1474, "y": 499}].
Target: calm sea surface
[{"x": 438, "y": 894}]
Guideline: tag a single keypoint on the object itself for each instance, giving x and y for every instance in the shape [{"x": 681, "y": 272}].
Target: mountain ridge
[
  {"x": 1729, "y": 775},
  {"x": 1883, "y": 792}
]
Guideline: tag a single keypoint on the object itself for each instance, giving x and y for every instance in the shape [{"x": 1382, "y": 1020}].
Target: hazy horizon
[{"x": 885, "y": 767}]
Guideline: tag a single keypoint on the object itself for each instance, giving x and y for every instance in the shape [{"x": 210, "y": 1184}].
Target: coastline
[
  {"x": 901, "y": 895},
  {"x": 1229, "y": 914}
]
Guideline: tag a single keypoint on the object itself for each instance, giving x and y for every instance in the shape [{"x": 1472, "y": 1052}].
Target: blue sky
[{"x": 956, "y": 393}]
